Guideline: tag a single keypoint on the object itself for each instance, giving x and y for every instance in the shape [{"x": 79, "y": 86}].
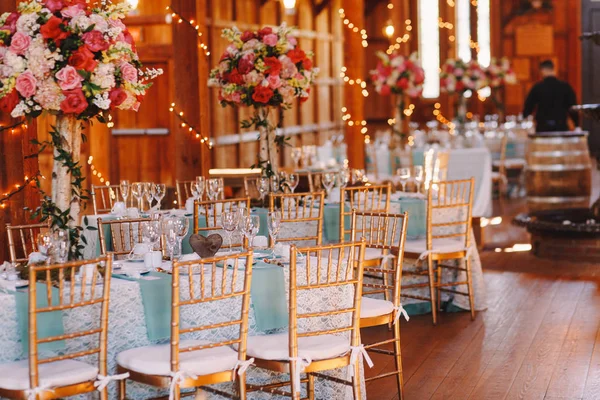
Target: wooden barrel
[{"x": 558, "y": 173}]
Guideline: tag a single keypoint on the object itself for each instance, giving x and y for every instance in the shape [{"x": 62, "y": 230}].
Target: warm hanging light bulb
[
  {"x": 290, "y": 6},
  {"x": 389, "y": 30}
]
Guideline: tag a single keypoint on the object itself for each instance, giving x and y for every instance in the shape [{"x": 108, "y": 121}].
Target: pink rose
[
  {"x": 293, "y": 41},
  {"x": 129, "y": 72},
  {"x": 20, "y": 43},
  {"x": 73, "y": 11},
  {"x": 74, "y": 102},
  {"x": 26, "y": 84},
  {"x": 68, "y": 78},
  {"x": 274, "y": 81},
  {"x": 54, "y": 5},
  {"x": 95, "y": 41},
  {"x": 270, "y": 40}
]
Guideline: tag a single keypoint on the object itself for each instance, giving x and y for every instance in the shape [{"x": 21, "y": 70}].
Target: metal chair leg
[
  {"x": 122, "y": 389},
  {"x": 432, "y": 289},
  {"x": 311, "y": 387},
  {"x": 398, "y": 359},
  {"x": 470, "y": 287}
]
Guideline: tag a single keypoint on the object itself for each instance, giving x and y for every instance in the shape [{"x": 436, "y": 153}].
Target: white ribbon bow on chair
[
  {"x": 177, "y": 378},
  {"x": 103, "y": 381},
  {"x": 400, "y": 311},
  {"x": 241, "y": 366},
  {"x": 301, "y": 364},
  {"x": 32, "y": 393},
  {"x": 426, "y": 253},
  {"x": 385, "y": 259},
  {"x": 356, "y": 351}
]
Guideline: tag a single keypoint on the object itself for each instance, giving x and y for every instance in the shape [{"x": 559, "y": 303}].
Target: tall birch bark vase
[{"x": 269, "y": 151}]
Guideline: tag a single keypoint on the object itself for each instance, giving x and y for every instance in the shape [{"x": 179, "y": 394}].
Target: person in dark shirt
[{"x": 551, "y": 99}]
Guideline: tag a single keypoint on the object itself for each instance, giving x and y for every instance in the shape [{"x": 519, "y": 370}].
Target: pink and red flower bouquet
[
  {"x": 263, "y": 68},
  {"x": 458, "y": 77},
  {"x": 500, "y": 73},
  {"x": 398, "y": 75},
  {"x": 63, "y": 57}
]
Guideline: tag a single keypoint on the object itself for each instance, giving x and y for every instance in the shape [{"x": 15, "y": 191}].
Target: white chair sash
[
  {"x": 241, "y": 367},
  {"x": 400, "y": 311},
  {"x": 301, "y": 364},
  {"x": 32, "y": 393},
  {"x": 103, "y": 381},
  {"x": 177, "y": 378},
  {"x": 354, "y": 353}
]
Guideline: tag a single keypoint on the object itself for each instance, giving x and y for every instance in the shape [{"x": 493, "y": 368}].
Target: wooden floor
[{"x": 538, "y": 339}]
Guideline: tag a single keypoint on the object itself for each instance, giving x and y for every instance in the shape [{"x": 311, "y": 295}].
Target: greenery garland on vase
[
  {"x": 266, "y": 70},
  {"x": 65, "y": 58},
  {"x": 400, "y": 76}
]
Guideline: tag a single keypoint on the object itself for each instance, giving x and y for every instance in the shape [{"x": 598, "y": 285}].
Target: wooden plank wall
[{"x": 321, "y": 111}]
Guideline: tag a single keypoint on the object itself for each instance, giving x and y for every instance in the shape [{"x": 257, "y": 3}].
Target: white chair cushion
[
  {"x": 373, "y": 254},
  {"x": 511, "y": 163},
  {"x": 275, "y": 347},
  {"x": 370, "y": 307},
  {"x": 15, "y": 375},
  {"x": 438, "y": 246},
  {"x": 156, "y": 360}
]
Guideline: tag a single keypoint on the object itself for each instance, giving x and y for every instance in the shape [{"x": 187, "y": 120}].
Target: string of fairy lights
[
  {"x": 176, "y": 16},
  {"x": 354, "y": 28},
  {"x": 12, "y": 128},
  {"x": 192, "y": 129}
]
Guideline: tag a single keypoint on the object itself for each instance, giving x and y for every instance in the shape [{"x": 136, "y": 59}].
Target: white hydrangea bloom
[
  {"x": 102, "y": 101},
  {"x": 20, "y": 110},
  {"x": 104, "y": 76},
  {"x": 15, "y": 62},
  {"x": 27, "y": 24}
]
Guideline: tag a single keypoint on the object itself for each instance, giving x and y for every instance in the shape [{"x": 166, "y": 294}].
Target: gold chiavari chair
[
  {"x": 184, "y": 191},
  {"x": 373, "y": 198},
  {"x": 209, "y": 213},
  {"x": 333, "y": 345},
  {"x": 192, "y": 363},
  {"x": 124, "y": 233},
  {"x": 104, "y": 197},
  {"x": 299, "y": 212},
  {"x": 500, "y": 177},
  {"x": 25, "y": 236},
  {"x": 449, "y": 208},
  {"x": 46, "y": 376},
  {"x": 387, "y": 233},
  {"x": 315, "y": 181}
]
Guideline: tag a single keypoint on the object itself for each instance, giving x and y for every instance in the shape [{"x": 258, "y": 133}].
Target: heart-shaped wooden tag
[{"x": 206, "y": 247}]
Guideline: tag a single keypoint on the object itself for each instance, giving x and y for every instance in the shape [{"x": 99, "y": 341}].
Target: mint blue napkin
[
  {"x": 49, "y": 324},
  {"x": 156, "y": 298},
  {"x": 417, "y": 217},
  {"x": 268, "y": 297},
  {"x": 331, "y": 223}
]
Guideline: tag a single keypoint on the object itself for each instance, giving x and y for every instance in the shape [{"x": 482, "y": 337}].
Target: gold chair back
[
  {"x": 300, "y": 212},
  {"x": 337, "y": 267},
  {"x": 125, "y": 234},
  {"x": 220, "y": 280},
  {"x": 373, "y": 198},
  {"x": 210, "y": 212},
  {"x": 449, "y": 211},
  {"x": 315, "y": 181},
  {"x": 104, "y": 197},
  {"x": 71, "y": 296},
  {"x": 184, "y": 191},
  {"x": 22, "y": 240},
  {"x": 251, "y": 187},
  {"x": 385, "y": 232}
]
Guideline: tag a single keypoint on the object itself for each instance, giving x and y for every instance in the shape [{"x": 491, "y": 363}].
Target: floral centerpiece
[
  {"x": 65, "y": 58},
  {"x": 400, "y": 76},
  {"x": 263, "y": 69},
  {"x": 499, "y": 74},
  {"x": 459, "y": 77}
]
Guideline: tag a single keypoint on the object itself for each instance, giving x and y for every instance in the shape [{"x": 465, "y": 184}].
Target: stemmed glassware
[
  {"x": 151, "y": 232},
  {"x": 230, "y": 220},
  {"x": 292, "y": 181},
  {"x": 44, "y": 243},
  {"x": 263, "y": 187},
  {"x": 200, "y": 186},
  {"x": 148, "y": 193},
  {"x": 296, "y": 156},
  {"x": 159, "y": 191},
  {"x": 274, "y": 222},
  {"x": 344, "y": 177},
  {"x": 418, "y": 176},
  {"x": 274, "y": 180},
  {"x": 404, "y": 176},
  {"x": 220, "y": 189},
  {"x": 213, "y": 189},
  {"x": 137, "y": 190},
  {"x": 60, "y": 245},
  {"x": 328, "y": 182},
  {"x": 175, "y": 229},
  {"x": 250, "y": 225},
  {"x": 124, "y": 186}
]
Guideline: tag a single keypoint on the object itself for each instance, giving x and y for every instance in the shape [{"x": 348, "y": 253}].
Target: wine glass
[
  {"x": 404, "y": 176},
  {"x": 200, "y": 185},
  {"x": 159, "y": 192},
  {"x": 344, "y": 177},
  {"x": 293, "y": 181},
  {"x": 418, "y": 176},
  {"x": 263, "y": 187},
  {"x": 124, "y": 186},
  {"x": 169, "y": 229},
  {"x": 137, "y": 190},
  {"x": 194, "y": 190},
  {"x": 328, "y": 181},
  {"x": 60, "y": 245},
  {"x": 230, "y": 220},
  {"x": 274, "y": 180},
  {"x": 250, "y": 226},
  {"x": 296, "y": 156},
  {"x": 148, "y": 193},
  {"x": 220, "y": 189},
  {"x": 274, "y": 223},
  {"x": 213, "y": 189},
  {"x": 44, "y": 243},
  {"x": 151, "y": 232}
]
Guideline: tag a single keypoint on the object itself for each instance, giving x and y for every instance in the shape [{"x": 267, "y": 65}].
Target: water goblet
[
  {"x": 200, "y": 185},
  {"x": 151, "y": 232},
  {"x": 274, "y": 224},
  {"x": 250, "y": 226},
  {"x": 213, "y": 189},
  {"x": 418, "y": 176},
  {"x": 60, "y": 245},
  {"x": 230, "y": 220},
  {"x": 159, "y": 192},
  {"x": 293, "y": 181},
  {"x": 328, "y": 181},
  {"x": 274, "y": 181},
  {"x": 404, "y": 176},
  {"x": 137, "y": 190},
  {"x": 263, "y": 187},
  {"x": 124, "y": 187},
  {"x": 148, "y": 193}
]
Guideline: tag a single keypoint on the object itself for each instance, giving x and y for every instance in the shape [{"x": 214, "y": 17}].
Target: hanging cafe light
[{"x": 290, "y": 6}]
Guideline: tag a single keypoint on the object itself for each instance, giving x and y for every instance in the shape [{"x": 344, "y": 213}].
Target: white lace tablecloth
[{"x": 127, "y": 329}]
